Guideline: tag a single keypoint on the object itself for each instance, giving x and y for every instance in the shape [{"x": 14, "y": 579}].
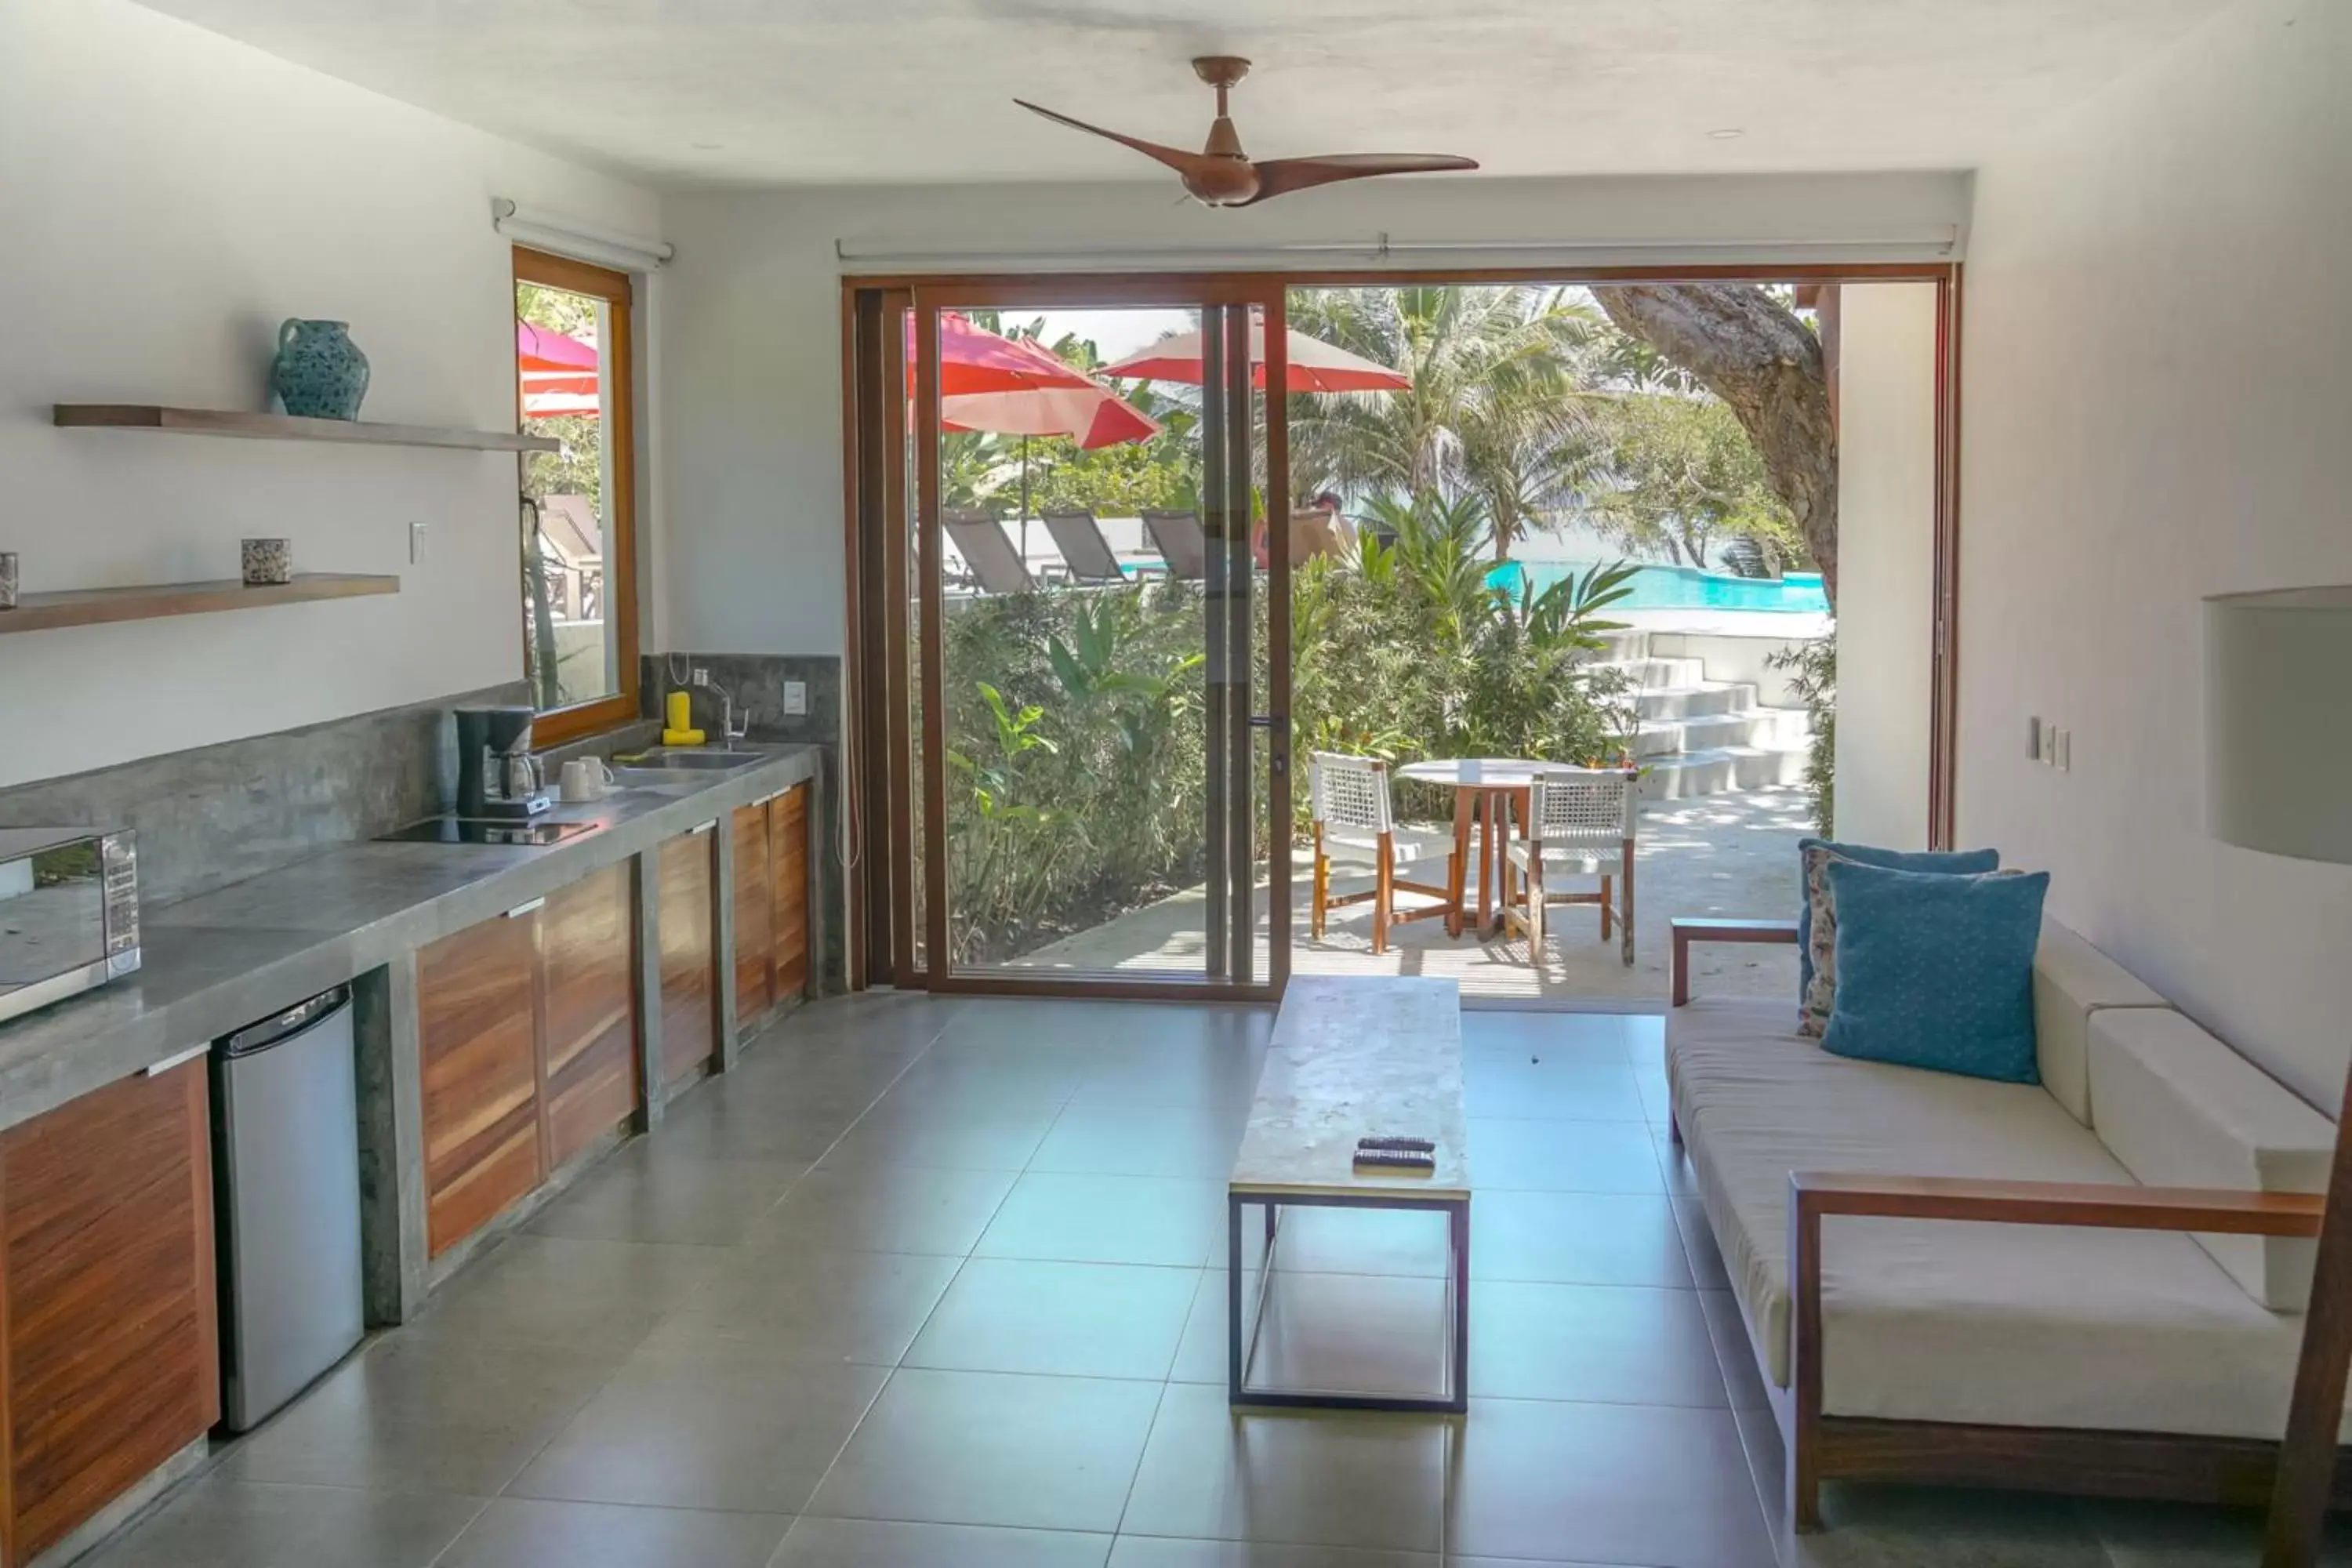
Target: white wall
[
  {"x": 1887, "y": 560},
  {"x": 2156, "y": 407},
  {"x": 167, "y": 196},
  {"x": 750, "y": 371}
]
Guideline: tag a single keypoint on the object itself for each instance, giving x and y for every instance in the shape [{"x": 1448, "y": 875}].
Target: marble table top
[{"x": 1358, "y": 1057}]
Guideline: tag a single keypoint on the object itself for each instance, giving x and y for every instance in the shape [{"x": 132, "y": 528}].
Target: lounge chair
[
  {"x": 989, "y": 554},
  {"x": 1085, "y": 551},
  {"x": 1176, "y": 536}
]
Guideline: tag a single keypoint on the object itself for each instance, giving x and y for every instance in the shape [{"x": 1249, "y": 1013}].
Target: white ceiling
[{"x": 800, "y": 91}]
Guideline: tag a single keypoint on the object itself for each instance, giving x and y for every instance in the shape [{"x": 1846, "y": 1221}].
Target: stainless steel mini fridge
[{"x": 285, "y": 1151}]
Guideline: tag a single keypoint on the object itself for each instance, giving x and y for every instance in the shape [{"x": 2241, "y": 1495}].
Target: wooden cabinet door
[
  {"x": 788, "y": 854},
  {"x": 477, "y": 1027},
  {"x": 689, "y": 954},
  {"x": 588, "y": 1000},
  {"x": 112, "y": 1339},
  {"x": 755, "y": 961}
]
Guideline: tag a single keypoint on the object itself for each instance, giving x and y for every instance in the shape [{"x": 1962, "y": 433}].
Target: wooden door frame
[{"x": 1080, "y": 291}]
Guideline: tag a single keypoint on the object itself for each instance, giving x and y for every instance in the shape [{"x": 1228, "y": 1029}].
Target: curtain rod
[
  {"x": 1938, "y": 243},
  {"x": 580, "y": 241}
]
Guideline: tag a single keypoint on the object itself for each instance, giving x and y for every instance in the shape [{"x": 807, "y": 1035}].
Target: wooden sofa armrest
[
  {"x": 1688, "y": 928},
  {"x": 1813, "y": 1195}
]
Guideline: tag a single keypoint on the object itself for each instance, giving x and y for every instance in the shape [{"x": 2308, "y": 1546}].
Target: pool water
[{"x": 1682, "y": 587}]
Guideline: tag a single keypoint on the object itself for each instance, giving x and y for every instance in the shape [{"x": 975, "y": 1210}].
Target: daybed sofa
[{"x": 1951, "y": 1321}]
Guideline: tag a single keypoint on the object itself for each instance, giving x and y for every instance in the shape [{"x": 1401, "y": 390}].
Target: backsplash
[
  {"x": 756, "y": 681},
  {"x": 223, "y": 813}
]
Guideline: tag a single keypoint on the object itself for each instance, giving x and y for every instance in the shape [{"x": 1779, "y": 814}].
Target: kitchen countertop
[{"x": 217, "y": 962}]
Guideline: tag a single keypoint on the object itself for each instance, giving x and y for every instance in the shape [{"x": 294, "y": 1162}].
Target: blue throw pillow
[
  {"x": 1952, "y": 860},
  {"x": 1936, "y": 970}
]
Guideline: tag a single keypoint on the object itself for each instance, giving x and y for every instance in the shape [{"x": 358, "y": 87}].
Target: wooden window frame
[{"x": 555, "y": 726}]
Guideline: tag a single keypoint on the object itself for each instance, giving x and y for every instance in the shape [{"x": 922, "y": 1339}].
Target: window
[{"x": 578, "y": 505}]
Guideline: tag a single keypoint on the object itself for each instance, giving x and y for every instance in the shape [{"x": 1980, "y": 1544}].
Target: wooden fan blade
[
  {"x": 1176, "y": 158},
  {"x": 1277, "y": 175}
]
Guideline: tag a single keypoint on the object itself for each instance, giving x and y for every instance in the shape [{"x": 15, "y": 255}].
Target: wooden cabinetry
[
  {"x": 113, "y": 1360},
  {"x": 477, "y": 1027},
  {"x": 588, "y": 1005},
  {"x": 771, "y": 903},
  {"x": 689, "y": 954},
  {"x": 527, "y": 1034},
  {"x": 788, "y": 854},
  {"x": 755, "y": 985}
]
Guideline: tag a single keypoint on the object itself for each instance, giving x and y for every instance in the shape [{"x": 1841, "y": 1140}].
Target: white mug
[{"x": 585, "y": 779}]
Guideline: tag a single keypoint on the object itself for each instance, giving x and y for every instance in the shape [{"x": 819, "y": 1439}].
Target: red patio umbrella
[
  {"x": 1011, "y": 386},
  {"x": 558, "y": 373},
  {"x": 1315, "y": 365}
]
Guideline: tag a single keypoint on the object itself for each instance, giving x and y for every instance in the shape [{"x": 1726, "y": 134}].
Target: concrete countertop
[{"x": 217, "y": 962}]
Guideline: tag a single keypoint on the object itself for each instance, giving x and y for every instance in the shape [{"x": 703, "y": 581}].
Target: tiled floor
[{"x": 927, "y": 1284}]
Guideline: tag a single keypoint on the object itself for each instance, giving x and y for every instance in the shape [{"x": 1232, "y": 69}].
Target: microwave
[{"x": 69, "y": 913}]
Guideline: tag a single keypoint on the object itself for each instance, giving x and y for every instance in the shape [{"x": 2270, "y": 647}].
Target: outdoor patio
[{"x": 1731, "y": 855}]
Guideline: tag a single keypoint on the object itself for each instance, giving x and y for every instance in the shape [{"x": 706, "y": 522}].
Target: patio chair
[
  {"x": 1086, "y": 554},
  {"x": 1580, "y": 822},
  {"x": 987, "y": 552},
  {"x": 1176, "y": 536},
  {"x": 1355, "y": 826}
]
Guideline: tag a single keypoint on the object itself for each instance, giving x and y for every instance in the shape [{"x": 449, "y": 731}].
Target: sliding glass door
[{"x": 1073, "y": 638}]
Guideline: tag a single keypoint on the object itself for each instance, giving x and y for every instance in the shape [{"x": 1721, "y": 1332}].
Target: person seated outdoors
[{"x": 1316, "y": 528}]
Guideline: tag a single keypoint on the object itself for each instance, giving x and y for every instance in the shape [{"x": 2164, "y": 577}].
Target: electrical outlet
[
  {"x": 416, "y": 543},
  {"x": 700, "y": 676},
  {"x": 795, "y": 698}
]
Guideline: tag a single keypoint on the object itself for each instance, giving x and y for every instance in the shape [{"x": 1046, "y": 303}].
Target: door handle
[{"x": 1269, "y": 720}]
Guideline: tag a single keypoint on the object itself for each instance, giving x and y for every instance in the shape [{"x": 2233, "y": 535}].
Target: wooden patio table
[{"x": 1483, "y": 788}]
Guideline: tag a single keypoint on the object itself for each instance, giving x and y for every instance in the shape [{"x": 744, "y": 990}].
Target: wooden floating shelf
[
  {"x": 288, "y": 427},
  {"x": 98, "y": 606}
]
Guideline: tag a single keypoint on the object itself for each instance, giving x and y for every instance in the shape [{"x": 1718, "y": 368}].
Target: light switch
[
  {"x": 2065, "y": 750},
  {"x": 416, "y": 543},
  {"x": 795, "y": 698}
]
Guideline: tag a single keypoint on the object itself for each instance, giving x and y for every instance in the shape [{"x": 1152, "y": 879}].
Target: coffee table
[{"x": 1352, "y": 1058}]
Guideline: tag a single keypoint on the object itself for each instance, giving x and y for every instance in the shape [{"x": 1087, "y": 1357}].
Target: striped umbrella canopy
[{"x": 1315, "y": 365}]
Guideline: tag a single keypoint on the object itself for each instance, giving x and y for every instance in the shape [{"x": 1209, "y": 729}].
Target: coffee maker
[{"x": 496, "y": 776}]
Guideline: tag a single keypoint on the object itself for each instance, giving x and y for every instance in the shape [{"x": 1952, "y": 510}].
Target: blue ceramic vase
[{"x": 320, "y": 373}]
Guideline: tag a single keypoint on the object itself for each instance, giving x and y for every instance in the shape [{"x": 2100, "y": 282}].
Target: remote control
[
  {"x": 1396, "y": 1159},
  {"x": 1411, "y": 1145}
]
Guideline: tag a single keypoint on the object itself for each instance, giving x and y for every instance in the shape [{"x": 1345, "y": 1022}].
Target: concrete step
[
  {"x": 1695, "y": 700},
  {"x": 1647, "y": 674},
  {"x": 1721, "y": 769},
  {"x": 1625, "y": 646},
  {"x": 1771, "y": 728}
]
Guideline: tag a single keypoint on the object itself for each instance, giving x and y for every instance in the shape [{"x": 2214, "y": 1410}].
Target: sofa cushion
[
  {"x": 1814, "y": 857},
  {"x": 2071, "y": 981},
  {"x": 1936, "y": 970},
  {"x": 1932, "y": 1321},
  {"x": 2180, "y": 1109}
]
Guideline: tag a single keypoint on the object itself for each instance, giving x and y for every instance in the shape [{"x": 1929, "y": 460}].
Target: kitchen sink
[{"x": 688, "y": 759}]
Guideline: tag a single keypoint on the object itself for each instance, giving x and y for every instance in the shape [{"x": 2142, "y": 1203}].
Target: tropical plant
[
  {"x": 1500, "y": 405},
  {"x": 1812, "y": 676},
  {"x": 1683, "y": 476}
]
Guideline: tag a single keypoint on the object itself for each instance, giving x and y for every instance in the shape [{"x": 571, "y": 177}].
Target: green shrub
[{"x": 1076, "y": 727}]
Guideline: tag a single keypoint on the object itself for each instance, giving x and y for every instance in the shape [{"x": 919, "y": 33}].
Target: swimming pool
[{"x": 1683, "y": 587}]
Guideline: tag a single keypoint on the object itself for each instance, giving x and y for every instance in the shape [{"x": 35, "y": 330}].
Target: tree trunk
[{"x": 1755, "y": 356}]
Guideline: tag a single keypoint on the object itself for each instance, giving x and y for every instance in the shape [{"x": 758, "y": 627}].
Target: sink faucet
[{"x": 729, "y": 729}]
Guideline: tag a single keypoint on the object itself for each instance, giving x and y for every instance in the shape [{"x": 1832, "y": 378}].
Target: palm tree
[{"x": 1499, "y": 406}]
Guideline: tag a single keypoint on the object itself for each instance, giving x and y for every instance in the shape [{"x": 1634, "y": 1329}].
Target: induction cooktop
[{"x": 485, "y": 830}]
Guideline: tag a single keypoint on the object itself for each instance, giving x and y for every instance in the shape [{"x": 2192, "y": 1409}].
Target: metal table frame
[{"x": 1240, "y": 1351}]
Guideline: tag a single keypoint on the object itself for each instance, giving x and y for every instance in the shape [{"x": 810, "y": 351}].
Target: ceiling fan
[{"x": 1221, "y": 175}]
